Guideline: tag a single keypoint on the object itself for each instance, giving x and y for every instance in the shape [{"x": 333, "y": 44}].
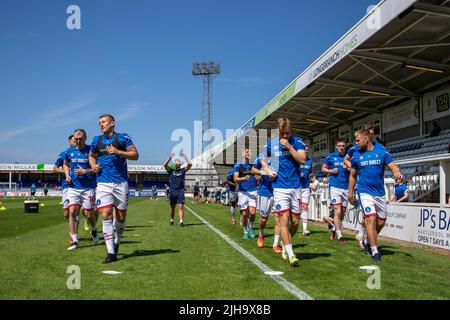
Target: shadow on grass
[
  {"x": 145, "y": 253},
  {"x": 127, "y": 227},
  {"x": 310, "y": 255},
  {"x": 193, "y": 224},
  {"x": 385, "y": 252}
]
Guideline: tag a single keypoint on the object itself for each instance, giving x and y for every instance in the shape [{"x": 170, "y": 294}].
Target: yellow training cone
[
  {"x": 2, "y": 209},
  {"x": 42, "y": 205}
]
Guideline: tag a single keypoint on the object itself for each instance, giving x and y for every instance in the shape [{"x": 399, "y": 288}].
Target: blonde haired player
[{"x": 287, "y": 154}]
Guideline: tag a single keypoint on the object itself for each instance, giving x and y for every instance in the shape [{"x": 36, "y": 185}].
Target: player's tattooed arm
[
  {"x": 131, "y": 153},
  {"x": 351, "y": 185}
]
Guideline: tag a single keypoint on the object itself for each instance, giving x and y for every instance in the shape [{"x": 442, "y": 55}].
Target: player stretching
[
  {"x": 287, "y": 154},
  {"x": 81, "y": 181},
  {"x": 338, "y": 175},
  {"x": 266, "y": 206},
  {"x": 232, "y": 194},
  {"x": 58, "y": 168},
  {"x": 108, "y": 158},
  {"x": 247, "y": 196},
  {"x": 305, "y": 171},
  {"x": 368, "y": 164},
  {"x": 176, "y": 184}
]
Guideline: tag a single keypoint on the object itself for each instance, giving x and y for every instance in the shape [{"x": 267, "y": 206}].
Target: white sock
[
  {"x": 74, "y": 237},
  {"x": 233, "y": 212},
  {"x": 108, "y": 231},
  {"x": 181, "y": 221},
  {"x": 374, "y": 250},
  {"x": 339, "y": 234},
  {"x": 276, "y": 240},
  {"x": 289, "y": 250},
  {"x": 245, "y": 228},
  {"x": 305, "y": 221},
  {"x": 361, "y": 231},
  {"x": 120, "y": 227}
]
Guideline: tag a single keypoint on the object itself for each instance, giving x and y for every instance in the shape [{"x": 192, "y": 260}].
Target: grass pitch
[{"x": 159, "y": 261}]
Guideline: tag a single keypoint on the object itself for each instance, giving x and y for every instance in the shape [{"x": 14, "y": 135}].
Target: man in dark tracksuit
[{"x": 176, "y": 185}]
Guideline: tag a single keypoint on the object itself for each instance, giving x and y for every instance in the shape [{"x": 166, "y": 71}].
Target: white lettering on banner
[
  {"x": 420, "y": 224},
  {"x": 352, "y": 218},
  {"x": 17, "y": 167},
  {"x": 146, "y": 168}
]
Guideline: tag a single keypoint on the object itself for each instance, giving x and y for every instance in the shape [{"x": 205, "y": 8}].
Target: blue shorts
[{"x": 176, "y": 197}]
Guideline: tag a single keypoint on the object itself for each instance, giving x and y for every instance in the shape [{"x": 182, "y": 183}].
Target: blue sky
[{"x": 134, "y": 59}]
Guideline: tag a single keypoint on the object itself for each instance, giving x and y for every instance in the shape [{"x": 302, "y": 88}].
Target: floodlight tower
[{"x": 206, "y": 69}]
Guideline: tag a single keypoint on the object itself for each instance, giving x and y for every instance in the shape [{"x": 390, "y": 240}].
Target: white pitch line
[{"x": 290, "y": 287}]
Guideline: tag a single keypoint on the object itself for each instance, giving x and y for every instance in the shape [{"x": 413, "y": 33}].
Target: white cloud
[{"x": 53, "y": 118}]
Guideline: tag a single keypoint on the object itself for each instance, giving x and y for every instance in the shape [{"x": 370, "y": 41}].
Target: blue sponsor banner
[
  {"x": 145, "y": 193},
  {"x": 132, "y": 193}
]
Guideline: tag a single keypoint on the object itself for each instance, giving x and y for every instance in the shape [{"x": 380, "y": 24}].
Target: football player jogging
[
  {"x": 368, "y": 165},
  {"x": 176, "y": 186},
  {"x": 266, "y": 206},
  {"x": 81, "y": 181},
  {"x": 232, "y": 194},
  {"x": 248, "y": 193},
  {"x": 305, "y": 171},
  {"x": 108, "y": 158},
  {"x": 58, "y": 168},
  {"x": 347, "y": 160},
  {"x": 287, "y": 154},
  {"x": 338, "y": 185}
]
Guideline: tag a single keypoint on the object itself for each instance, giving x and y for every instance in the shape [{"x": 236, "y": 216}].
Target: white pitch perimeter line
[{"x": 290, "y": 287}]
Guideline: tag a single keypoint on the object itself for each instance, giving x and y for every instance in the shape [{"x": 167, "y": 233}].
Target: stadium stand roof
[{"x": 397, "y": 52}]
